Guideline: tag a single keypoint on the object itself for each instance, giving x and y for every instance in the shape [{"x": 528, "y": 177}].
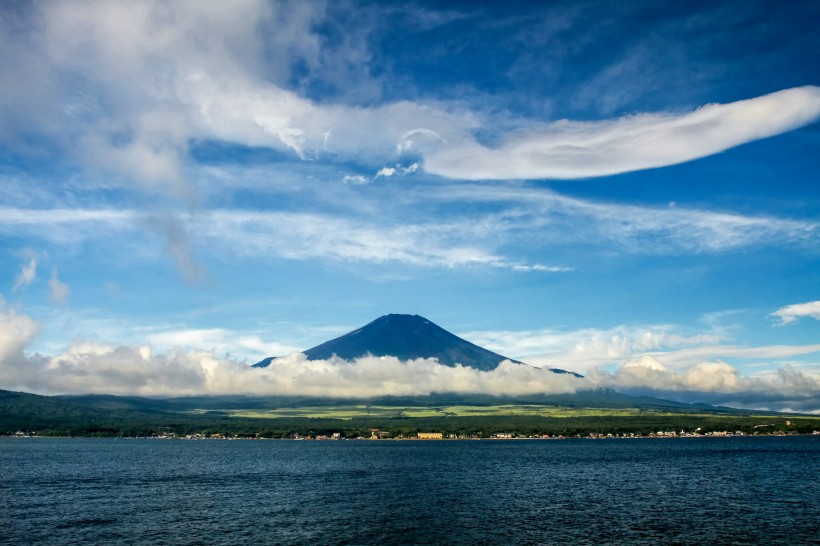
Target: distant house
[{"x": 430, "y": 435}]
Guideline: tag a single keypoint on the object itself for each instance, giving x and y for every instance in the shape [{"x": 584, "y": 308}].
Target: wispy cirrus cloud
[
  {"x": 289, "y": 235},
  {"x": 63, "y": 225},
  {"x": 567, "y": 149},
  {"x": 690, "y": 355},
  {"x": 128, "y": 99},
  {"x": 28, "y": 272},
  {"x": 791, "y": 313},
  {"x": 697, "y": 230},
  {"x": 302, "y": 236},
  {"x": 529, "y": 217},
  {"x": 129, "y": 103},
  {"x": 550, "y": 217}
]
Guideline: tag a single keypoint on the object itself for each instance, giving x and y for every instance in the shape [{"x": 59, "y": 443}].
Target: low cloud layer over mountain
[{"x": 97, "y": 368}]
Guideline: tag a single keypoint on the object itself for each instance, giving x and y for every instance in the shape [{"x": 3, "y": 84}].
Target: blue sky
[{"x": 627, "y": 191}]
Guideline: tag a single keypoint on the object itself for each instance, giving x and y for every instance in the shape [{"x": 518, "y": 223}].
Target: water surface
[{"x": 648, "y": 491}]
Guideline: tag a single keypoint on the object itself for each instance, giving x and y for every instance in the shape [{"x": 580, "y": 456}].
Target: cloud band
[{"x": 568, "y": 149}]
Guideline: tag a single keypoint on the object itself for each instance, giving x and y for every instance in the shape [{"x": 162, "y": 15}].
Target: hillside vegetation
[{"x": 139, "y": 417}]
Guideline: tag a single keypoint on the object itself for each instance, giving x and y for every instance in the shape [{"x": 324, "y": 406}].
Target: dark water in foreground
[{"x": 665, "y": 491}]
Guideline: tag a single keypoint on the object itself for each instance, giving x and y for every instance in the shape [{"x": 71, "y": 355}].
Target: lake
[{"x": 740, "y": 490}]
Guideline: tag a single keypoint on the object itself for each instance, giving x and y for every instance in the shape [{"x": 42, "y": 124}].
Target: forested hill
[{"x": 466, "y": 416}]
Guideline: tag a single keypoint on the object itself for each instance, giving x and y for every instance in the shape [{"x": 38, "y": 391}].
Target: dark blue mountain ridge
[{"x": 407, "y": 337}]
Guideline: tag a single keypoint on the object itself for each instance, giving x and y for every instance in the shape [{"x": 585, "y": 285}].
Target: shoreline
[{"x": 556, "y": 438}]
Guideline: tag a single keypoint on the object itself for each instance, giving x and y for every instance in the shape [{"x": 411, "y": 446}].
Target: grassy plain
[{"x": 135, "y": 417}]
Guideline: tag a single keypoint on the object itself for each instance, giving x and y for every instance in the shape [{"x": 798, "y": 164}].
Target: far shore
[{"x": 413, "y": 439}]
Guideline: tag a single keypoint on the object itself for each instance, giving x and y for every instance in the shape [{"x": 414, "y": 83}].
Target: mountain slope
[
  {"x": 406, "y": 337},
  {"x": 71, "y": 416}
]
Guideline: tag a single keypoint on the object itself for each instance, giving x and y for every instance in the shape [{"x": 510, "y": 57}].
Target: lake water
[{"x": 662, "y": 491}]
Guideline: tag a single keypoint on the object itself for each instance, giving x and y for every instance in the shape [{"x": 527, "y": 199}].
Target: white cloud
[
  {"x": 288, "y": 235},
  {"x": 218, "y": 341},
  {"x": 95, "y": 368},
  {"x": 407, "y": 141},
  {"x": 380, "y": 235},
  {"x": 567, "y": 149},
  {"x": 124, "y": 370},
  {"x": 717, "y": 379},
  {"x": 398, "y": 170},
  {"x": 546, "y": 216},
  {"x": 648, "y": 372},
  {"x": 661, "y": 362},
  {"x": 691, "y": 355},
  {"x": 791, "y": 313},
  {"x": 355, "y": 179},
  {"x": 128, "y": 99},
  {"x": 584, "y": 349},
  {"x": 98, "y": 368},
  {"x": 537, "y": 267},
  {"x": 301, "y": 236},
  {"x": 16, "y": 332},
  {"x": 699, "y": 374},
  {"x": 175, "y": 231},
  {"x": 63, "y": 226},
  {"x": 28, "y": 272},
  {"x": 171, "y": 365},
  {"x": 124, "y": 88},
  {"x": 59, "y": 290}
]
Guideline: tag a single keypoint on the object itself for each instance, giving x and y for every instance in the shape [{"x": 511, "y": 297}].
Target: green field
[{"x": 270, "y": 418}]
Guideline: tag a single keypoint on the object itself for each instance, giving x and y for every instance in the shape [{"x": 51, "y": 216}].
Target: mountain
[
  {"x": 407, "y": 337},
  {"x": 78, "y": 415}
]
